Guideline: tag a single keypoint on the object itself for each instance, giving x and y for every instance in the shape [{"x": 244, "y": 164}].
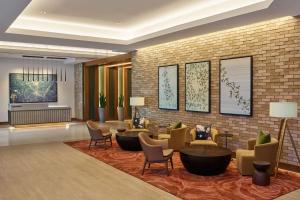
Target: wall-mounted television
[{"x": 35, "y": 88}]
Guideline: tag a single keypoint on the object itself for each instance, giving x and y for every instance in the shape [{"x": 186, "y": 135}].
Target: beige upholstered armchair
[
  {"x": 130, "y": 124},
  {"x": 214, "y": 138},
  {"x": 176, "y": 137},
  {"x": 155, "y": 151},
  {"x": 262, "y": 152},
  {"x": 98, "y": 134}
]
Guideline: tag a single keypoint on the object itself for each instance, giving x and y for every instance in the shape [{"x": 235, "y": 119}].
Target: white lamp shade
[
  {"x": 284, "y": 109},
  {"x": 137, "y": 101}
]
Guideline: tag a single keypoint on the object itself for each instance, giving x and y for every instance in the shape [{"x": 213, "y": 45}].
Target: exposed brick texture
[
  {"x": 275, "y": 47},
  {"x": 78, "y": 70}
]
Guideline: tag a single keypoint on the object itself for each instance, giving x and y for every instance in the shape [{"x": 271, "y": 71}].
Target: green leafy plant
[
  {"x": 121, "y": 101},
  {"x": 102, "y": 100}
]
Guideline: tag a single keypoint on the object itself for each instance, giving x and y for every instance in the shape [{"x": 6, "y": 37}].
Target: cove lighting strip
[{"x": 56, "y": 48}]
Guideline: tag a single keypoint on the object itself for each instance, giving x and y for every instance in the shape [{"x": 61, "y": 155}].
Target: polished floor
[
  {"x": 55, "y": 171},
  {"x": 35, "y": 164}
]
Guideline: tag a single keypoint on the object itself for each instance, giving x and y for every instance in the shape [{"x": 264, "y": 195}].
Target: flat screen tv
[{"x": 36, "y": 88}]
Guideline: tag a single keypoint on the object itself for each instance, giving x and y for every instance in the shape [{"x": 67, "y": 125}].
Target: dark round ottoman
[
  {"x": 129, "y": 140},
  {"x": 205, "y": 160},
  {"x": 260, "y": 175}
]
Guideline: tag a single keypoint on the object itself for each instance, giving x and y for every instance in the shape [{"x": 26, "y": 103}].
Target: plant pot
[
  {"x": 120, "y": 113},
  {"x": 102, "y": 114}
]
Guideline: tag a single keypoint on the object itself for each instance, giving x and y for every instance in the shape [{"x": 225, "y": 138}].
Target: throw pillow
[
  {"x": 263, "y": 138},
  {"x": 203, "y": 132},
  {"x": 178, "y": 125}
]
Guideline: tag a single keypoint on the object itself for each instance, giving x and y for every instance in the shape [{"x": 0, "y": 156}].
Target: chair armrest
[
  {"x": 162, "y": 143},
  {"x": 192, "y": 135},
  {"x": 214, "y": 135},
  {"x": 251, "y": 143}
]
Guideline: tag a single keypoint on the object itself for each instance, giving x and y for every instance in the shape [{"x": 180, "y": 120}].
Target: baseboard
[
  {"x": 4, "y": 123},
  {"x": 77, "y": 120},
  {"x": 289, "y": 167}
]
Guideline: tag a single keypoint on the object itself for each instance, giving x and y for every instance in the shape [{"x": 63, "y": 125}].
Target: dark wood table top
[
  {"x": 206, "y": 151},
  {"x": 131, "y": 133},
  {"x": 226, "y": 134}
]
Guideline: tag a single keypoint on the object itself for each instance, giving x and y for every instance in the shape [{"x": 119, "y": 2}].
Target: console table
[{"x": 22, "y": 115}]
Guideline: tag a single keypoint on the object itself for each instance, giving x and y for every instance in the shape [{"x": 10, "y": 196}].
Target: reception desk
[{"x": 21, "y": 114}]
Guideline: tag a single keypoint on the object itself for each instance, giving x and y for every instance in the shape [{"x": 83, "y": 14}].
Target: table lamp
[
  {"x": 284, "y": 110},
  {"x": 136, "y": 101}
]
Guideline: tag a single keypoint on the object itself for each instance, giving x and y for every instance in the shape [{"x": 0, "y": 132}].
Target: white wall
[{"x": 11, "y": 65}]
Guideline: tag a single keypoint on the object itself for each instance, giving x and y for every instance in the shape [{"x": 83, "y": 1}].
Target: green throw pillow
[
  {"x": 178, "y": 125},
  {"x": 263, "y": 138}
]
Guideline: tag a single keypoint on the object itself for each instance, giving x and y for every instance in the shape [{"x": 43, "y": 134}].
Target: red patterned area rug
[{"x": 227, "y": 186}]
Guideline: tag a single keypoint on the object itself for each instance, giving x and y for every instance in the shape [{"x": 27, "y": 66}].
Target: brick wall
[
  {"x": 78, "y": 70},
  {"x": 275, "y": 47}
]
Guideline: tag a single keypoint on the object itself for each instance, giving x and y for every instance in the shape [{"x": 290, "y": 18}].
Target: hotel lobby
[{"x": 160, "y": 99}]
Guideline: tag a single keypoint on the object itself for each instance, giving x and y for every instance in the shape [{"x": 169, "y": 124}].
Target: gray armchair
[
  {"x": 98, "y": 134},
  {"x": 155, "y": 151}
]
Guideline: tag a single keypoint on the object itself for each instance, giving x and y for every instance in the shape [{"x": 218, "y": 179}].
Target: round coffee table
[
  {"x": 205, "y": 160},
  {"x": 129, "y": 140}
]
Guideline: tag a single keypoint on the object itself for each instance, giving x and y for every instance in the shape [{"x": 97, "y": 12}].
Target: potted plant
[
  {"x": 102, "y": 100},
  {"x": 120, "y": 108}
]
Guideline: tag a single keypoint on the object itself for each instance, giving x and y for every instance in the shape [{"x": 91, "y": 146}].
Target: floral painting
[
  {"x": 236, "y": 86},
  {"x": 197, "y": 86},
  {"x": 168, "y": 87}
]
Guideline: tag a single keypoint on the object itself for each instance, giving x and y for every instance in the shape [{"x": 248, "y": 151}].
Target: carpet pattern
[{"x": 228, "y": 186}]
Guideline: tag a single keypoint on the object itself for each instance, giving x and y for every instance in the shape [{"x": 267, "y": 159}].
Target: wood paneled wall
[{"x": 88, "y": 94}]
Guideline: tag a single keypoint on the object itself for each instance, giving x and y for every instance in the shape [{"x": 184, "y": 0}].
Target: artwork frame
[
  {"x": 245, "y": 80},
  {"x": 191, "y": 102},
  {"x": 24, "y": 88},
  {"x": 164, "y": 102}
]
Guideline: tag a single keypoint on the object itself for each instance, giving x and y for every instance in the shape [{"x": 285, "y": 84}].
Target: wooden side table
[
  {"x": 260, "y": 175},
  {"x": 226, "y": 135}
]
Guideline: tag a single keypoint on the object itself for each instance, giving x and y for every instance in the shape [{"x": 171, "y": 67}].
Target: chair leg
[
  {"x": 110, "y": 141},
  {"x": 90, "y": 144},
  {"x": 167, "y": 170},
  {"x": 171, "y": 160},
  {"x": 145, "y": 163},
  {"x": 149, "y": 165},
  {"x": 104, "y": 143}
]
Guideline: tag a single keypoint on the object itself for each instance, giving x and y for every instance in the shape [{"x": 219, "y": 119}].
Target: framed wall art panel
[
  {"x": 168, "y": 97},
  {"x": 236, "y": 86},
  {"x": 197, "y": 86}
]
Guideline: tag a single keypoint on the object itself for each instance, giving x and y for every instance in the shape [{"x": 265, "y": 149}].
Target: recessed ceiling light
[{"x": 43, "y": 12}]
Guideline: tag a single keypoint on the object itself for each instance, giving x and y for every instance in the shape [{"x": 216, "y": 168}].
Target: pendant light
[
  {"x": 47, "y": 71},
  {"x": 23, "y": 63},
  {"x": 65, "y": 74},
  {"x": 28, "y": 73},
  {"x": 61, "y": 74}
]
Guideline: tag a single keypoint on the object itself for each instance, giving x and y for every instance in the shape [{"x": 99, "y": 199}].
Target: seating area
[{"x": 150, "y": 99}]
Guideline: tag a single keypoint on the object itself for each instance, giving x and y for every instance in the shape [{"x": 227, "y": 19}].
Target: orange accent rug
[{"x": 228, "y": 186}]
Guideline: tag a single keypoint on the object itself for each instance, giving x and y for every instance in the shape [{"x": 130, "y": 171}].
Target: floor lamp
[
  {"x": 136, "y": 101},
  {"x": 284, "y": 110}
]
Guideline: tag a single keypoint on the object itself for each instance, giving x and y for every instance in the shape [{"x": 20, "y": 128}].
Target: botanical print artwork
[
  {"x": 197, "y": 86},
  {"x": 34, "y": 90},
  {"x": 235, "y": 91},
  {"x": 168, "y": 87}
]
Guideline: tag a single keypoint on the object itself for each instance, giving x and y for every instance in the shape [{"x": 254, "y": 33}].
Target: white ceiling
[
  {"x": 126, "y": 21},
  {"x": 125, "y": 25},
  {"x": 112, "y": 13}
]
